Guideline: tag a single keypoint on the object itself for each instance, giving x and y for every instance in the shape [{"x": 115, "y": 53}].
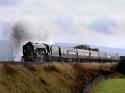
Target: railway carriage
[
  {"x": 64, "y": 53},
  {"x": 102, "y": 55},
  {"x": 94, "y": 54},
  {"x": 54, "y": 53},
  {"x": 72, "y": 54},
  {"x": 108, "y": 56},
  {"x": 83, "y": 54},
  {"x": 115, "y": 57}
]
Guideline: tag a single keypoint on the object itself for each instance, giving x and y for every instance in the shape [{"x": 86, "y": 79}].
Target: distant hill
[
  {"x": 120, "y": 51},
  {"x": 6, "y": 51}
]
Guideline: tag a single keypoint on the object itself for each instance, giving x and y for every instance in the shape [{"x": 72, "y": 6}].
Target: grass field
[
  {"x": 111, "y": 86},
  {"x": 47, "y": 78}
]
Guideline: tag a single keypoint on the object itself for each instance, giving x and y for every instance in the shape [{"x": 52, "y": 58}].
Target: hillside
[{"x": 48, "y": 78}]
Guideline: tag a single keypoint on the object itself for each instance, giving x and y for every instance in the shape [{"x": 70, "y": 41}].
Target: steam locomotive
[{"x": 35, "y": 52}]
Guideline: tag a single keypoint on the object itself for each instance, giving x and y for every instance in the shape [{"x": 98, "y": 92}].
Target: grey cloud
[
  {"x": 9, "y": 2},
  {"x": 66, "y": 23},
  {"x": 66, "y": 26},
  {"x": 103, "y": 24},
  {"x": 4, "y": 30}
]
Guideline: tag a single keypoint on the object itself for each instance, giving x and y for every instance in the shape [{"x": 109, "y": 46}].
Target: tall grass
[{"x": 47, "y": 78}]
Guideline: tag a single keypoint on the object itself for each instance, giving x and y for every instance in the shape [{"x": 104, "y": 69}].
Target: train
[{"x": 35, "y": 52}]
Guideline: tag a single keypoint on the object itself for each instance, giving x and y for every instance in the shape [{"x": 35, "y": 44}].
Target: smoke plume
[{"x": 23, "y": 32}]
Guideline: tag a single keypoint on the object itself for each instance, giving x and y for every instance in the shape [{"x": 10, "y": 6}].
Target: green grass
[{"x": 111, "y": 86}]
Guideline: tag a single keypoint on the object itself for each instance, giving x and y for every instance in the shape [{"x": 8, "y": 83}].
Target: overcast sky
[{"x": 99, "y": 22}]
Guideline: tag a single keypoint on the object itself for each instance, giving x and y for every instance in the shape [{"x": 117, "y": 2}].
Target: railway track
[{"x": 20, "y": 62}]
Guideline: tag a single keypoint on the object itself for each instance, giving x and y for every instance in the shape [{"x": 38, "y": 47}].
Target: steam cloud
[{"x": 23, "y": 32}]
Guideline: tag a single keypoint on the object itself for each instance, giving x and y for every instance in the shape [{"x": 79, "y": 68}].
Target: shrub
[{"x": 121, "y": 67}]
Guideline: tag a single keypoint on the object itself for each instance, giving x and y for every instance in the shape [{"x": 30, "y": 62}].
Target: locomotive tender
[{"x": 35, "y": 52}]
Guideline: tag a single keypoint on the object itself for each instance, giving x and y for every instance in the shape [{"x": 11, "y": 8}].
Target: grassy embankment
[
  {"x": 48, "y": 78},
  {"x": 111, "y": 86}
]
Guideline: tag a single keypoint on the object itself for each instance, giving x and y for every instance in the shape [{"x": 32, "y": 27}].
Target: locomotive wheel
[
  {"x": 41, "y": 59},
  {"x": 39, "y": 56}
]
